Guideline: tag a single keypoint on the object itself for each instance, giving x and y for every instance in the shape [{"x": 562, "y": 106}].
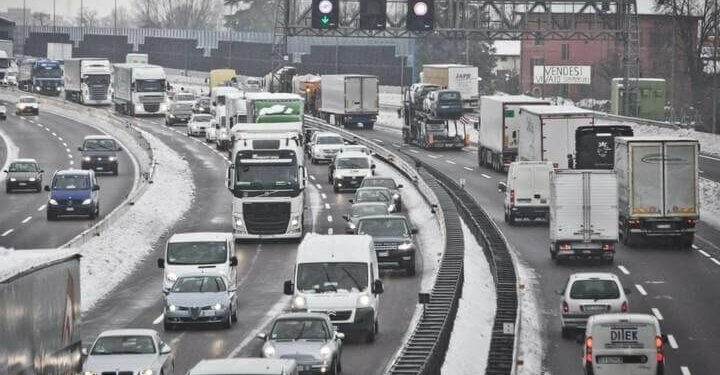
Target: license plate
[
  {"x": 595, "y": 308},
  {"x": 383, "y": 253},
  {"x": 70, "y": 209},
  {"x": 663, "y": 226},
  {"x": 610, "y": 360},
  {"x": 99, "y": 168}
]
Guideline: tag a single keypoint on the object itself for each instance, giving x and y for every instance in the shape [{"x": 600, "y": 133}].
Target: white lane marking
[
  {"x": 54, "y": 134},
  {"x": 378, "y": 140},
  {"x": 269, "y": 316},
  {"x": 657, "y": 314},
  {"x": 7, "y": 232},
  {"x": 685, "y": 370},
  {"x": 70, "y": 156},
  {"x": 624, "y": 270},
  {"x": 318, "y": 186},
  {"x": 41, "y": 207},
  {"x": 396, "y": 145},
  {"x": 159, "y": 319},
  {"x": 641, "y": 289},
  {"x": 694, "y": 246},
  {"x": 468, "y": 168},
  {"x": 709, "y": 157},
  {"x": 704, "y": 253},
  {"x": 31, "y": 121},
  {"x": 414, "y": 151},
  {"x": 486, "y": 176},
  {"x": 330, "y": 231},
  {"x": 26, "y": 219},
  {"x": 64, "y": 144},
  {"x": 701, "y": 172},
  {"x": 48, "y": 129},
  {"x": 23, "y": 117},
  {"x": 450, "y": 162},
  {"x": 715, "y": 261},
  {"x": 433, "y": 156},
  {"x": 67, "y": 150},
  {"x": 327, "y": 206},
  {"x": 329, "y": 218},
  {"x": 323, "y": 196},
  {"x": 673, "y": 343},
  {"x": 312, "y": 177},
  {"x": 72, "y": 162},
  {"x": 60, "y": 139}
]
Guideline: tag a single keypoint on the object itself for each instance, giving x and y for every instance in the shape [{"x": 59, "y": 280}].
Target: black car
[
  {"x": 444, "y": 104},
  {"x": 394, "y": 240},
  {"x": 179, "y": 113},
  {"x": 23, "y": 174},
  {"x": 100, "y": 154}
]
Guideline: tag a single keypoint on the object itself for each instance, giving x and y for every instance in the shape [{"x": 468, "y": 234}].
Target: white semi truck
[
  {"x": 548, "y": 133},
  {"x": 351, "y": 100},
  {"x": 267, "y": 179},
  {"x": 463, "y": 78},
  {"x": 499, "y": 128},
  {"x": 139, "y": 89},
  {"x": 87, "y": 80},
  {"x": 219, "y": 99},
  {"x": 658, "y": 188},
  {"x": 583, "y": 214}
]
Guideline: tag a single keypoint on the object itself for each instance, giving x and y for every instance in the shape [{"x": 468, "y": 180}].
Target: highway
[
  {"x": 262, "y": 268},
  {"x": 53, "y": 141},
  {"x": 679, "y": 287}
]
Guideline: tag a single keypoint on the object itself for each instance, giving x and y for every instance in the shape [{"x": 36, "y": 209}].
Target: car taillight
[
  {"x": 565, "y": 307},
  {"x": 634, "y": 222},
  {"x": 690, "y": 223},
  {"x": 512, "y": 197},
  {"x": 659, "y": 346},
  {"x": 565, "y": 246},
  {"x": 608, "y": 247},
  {"x": 588, "y": 349},
  {"x": 624, "y": 307}
]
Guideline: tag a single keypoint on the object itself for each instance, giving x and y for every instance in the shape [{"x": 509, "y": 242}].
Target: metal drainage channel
[
  {"x": 502, "y": 343},
  {"x": 424, "y": 352}
]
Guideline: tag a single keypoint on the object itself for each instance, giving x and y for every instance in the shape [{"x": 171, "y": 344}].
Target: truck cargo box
[{"x": 463, "y": 78}]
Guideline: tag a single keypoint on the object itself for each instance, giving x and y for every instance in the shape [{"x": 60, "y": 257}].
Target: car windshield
[
  {"x": 204, "y": 101},
  {"x": 184, "y": 97},
  {"x": 28, "y": 100},
  {"x": 359, "y": 210},
  {"x": 181, "y": 107},
  {"x": 150, "y": 85},
  {"x": 124, "y": 345},
  {"x": 329, "y": 140},
  {"x": 71, "y": 182},
  {"x": 353, "y": 163},
  {"x": 197, "y": 252},
  {"x": 299, "y": 329},
  {"x": 99, "y": 145},
  {"x": 384, "y": 227},
  {"x": 451, "y": 95},
  {"x": 199, "y": 284},
  {"x": 202, "y": 118},
  {"x": 595, "y": 289},
  {"x": 374, "y": 195},
  {"x": 379, "y": 182},
  {"x": 332, "y": 277},
  {"x": 23, "y": 167}
]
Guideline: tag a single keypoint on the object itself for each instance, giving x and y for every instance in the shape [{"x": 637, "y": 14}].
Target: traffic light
[
  {"x": 325, "y": 14},
  {"x": 372, "y": 14},
  {"x": 420, "y": 15}
]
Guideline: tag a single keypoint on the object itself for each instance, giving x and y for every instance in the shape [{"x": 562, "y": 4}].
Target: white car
[
  {"x": 587, "y": 294},
  {"x": 131, "y": 351},
  {"x": 3, "y": 112},
  {"x": 324, "y": 146},
  {"x": 27, "y": 104},
  {"x": 199, "y": 124}
]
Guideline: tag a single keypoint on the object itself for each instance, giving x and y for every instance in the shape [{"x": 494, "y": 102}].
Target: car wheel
[
  {"x": 228, "y": 322},
  {"x": 235, "y": 315},
  {"x": 334, "y": 370},
  {"x": 339, "y": 366}
]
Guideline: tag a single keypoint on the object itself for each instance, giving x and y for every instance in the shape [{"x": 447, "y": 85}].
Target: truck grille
[
  {"x": 152, "y": 99},
  {"x": 98, "y": 92},
  {"x": 266, "y": 217},
  {"x": 338, "y": 315}
]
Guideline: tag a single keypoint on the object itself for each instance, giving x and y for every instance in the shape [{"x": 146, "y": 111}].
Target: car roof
[
  {"x": 85, "y": 172},
  {"x": 352, "y": 154},
  {"x": 24, "y": 160},
  {"x": 378, "y": 178},
  {"x": 385, "y": 217},
  {"x": 99, "y": 136},
  {"x": 233, "y": 366},
  {"x": 129, "y": 332},
  {"x": 320, "y": 248},
  {"x": 368, "y": 204},
  {"x": 199, "y": 237},
  {"x": 593, "y": 275},
  {"x": 367, "y": 188},
  {"x": 27, "y": 96}
]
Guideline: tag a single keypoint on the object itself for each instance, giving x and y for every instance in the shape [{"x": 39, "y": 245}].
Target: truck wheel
[
  {"x": 228, "y": 322},
  {"x": 627, "y": 238},
  {"x": 566, "y": 332},
  {"x": 370, "y": 334},
  {"x": 511, "y": 219}
]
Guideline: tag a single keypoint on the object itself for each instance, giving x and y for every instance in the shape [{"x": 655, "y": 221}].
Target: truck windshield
[
  {"x": 383, "y": 227},
  {"x": 98, "y": 79},
  {"x": 353, "y": 163},
  {"x": 262, "y": 176},
  {"x": 123, "y": 345},
  {"x": 150, "y": 85},
  {"x": 332, "y": 277},
  {"x": 196, "y": 253},
  {"x": 47, "y": 70}
]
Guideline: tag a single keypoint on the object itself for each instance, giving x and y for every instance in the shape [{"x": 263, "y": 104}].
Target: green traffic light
[{"x": 325, "y": 20}]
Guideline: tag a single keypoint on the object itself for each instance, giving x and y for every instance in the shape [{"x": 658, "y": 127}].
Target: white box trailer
[
  {"x": 87, "y": 80},
  {"x": 351, "y": 99},
  {"x": 137, "y": 58},
  {"x": 548, "y": 133},
  {"x": 499, "y": 128},
  {"x": 40, "y": 312},
  {"x": 583, "y": 214},
  {"x": 139, "y": 89},
  {"x": 658, "y": 188},
  {"x": 463, "y": 78},
  {"x": 59, "y": 51}
]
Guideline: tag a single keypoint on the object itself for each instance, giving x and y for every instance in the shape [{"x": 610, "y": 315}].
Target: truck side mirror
[
  {"x": 233, "y": 261},
  {"x": 84, "y": 351},
  {"x": 502, "y": 187},
  {"x": 414, "y": 231},
  {"x": 217, "y": 126},
  {"x": 400, "y": 186},
  {"x": 119, "y": 149},
  {"x": 161, "y": 263},
  {"x": 378, "y": 287},
  {"x": 96, "y": 187},
  {"x": 288, "y": 288}
]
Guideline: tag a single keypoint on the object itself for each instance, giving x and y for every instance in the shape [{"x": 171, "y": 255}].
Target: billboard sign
[{"x": 562, "y": 74}]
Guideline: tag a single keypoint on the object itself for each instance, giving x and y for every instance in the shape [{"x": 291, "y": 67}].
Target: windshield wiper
[
  {"x": 327, "y": 277},
  {"x": 354, "y": 280},
  {"x": 299, "y": 335}
]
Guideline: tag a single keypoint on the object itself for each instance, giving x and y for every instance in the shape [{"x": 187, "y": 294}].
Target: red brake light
[
  {"x": 690, "y": 222},
  {"x": 659, "y": 345},
  {"x": 624, "y": 307},
  {"x": 565, "y": 246},
  {"x": 588, "y": 349},
  {"x": 634, "y": 222},
  {"x": 658, "y": 342},
  {"x": 608, "y": 247},
  {"x": 512, "y": 196},
  {"x": 565, "y": 307}
]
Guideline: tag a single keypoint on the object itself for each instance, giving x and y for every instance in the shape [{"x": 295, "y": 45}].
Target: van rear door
[{"x": 624, "y": 348}]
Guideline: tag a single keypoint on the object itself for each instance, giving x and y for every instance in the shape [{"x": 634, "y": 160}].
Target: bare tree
[
  {"x": 41, "y": 19},
  {"x": 255, "y": 15},
  {"x": 147, "y": 14},
  {"x": 124, "y": 18},
  {"x": 188, "y": 14},
  {"x": 89, "y": 18}
]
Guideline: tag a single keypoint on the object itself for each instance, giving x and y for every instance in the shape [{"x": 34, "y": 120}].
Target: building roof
[
  {"x": 17, "y": 262},
  {"x": 4, "y": 21},
  {"x": 320, "y": 248},
  {"x": 515, "y": 99},
  {"x": 507, "y": 47}
]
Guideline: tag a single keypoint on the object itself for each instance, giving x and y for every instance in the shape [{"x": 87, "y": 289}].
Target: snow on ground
[
  {"x": 112, "y": 256},
  {"x": 11, "y": 153},
  {"x": 530, "y": 345},
  {"x": 14, "y": 262},
  {"x": 390, "y": 99},
  {"x": 709, "y": 204},
  {"x": 709, "y": 143},
  {"x": 476, "y": 314}
]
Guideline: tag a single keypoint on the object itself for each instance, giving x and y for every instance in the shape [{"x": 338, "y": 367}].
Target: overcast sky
[{"x": 66, "y": 7}]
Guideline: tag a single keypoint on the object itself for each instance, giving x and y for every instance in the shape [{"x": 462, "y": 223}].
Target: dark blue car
[{"x": 73, "y": 193}]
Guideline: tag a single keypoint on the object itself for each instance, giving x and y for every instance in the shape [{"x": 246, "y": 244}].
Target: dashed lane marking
[
  {"x": 312, "y": 177},
  {"x": 330, "y": 231},
  {"x": 323, "y": 196},
  {"x": 7, "y": 232},
  {"x": 694, "y": 246},
  {"x": 54, "y": 134},
  {"x": 60, "y": 139},
  {"x": 67, "y": 150},
  {"x": 318, "y": 186},
  {"x": 641, "y": 289},
  {"x": 327, "y": 206},
  {"x": 378, "y": 140},
  {"x": 396, "y": 145},
  {"x": 624, "y": 270},
  {"x": 704, "y": 253},
  {"x": 468, "y": 168},
  {"x": 26, "y": 219},
  {"x": 70, "y": 156},
  {"x": 158, "y": 319},
  {"x": 433, "y": 156},
  {"x": 486, "y": 176},
  {"x": 715, "y": 261},
  {"x": 329, "y": 219},
  {"x": 41, "y": 208},
  {"x": 657, "y": 313},
  {"x": 673, "y": 343},
  {"x": 414, "y": 151},
  {"x": 685, "y": 370},
  {"x": 450, "y": 162},
  {"x": 64, "y": 144},
  {"x": 72, "y": 162}
]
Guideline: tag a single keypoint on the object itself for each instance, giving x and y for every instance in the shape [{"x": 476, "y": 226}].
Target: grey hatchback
[{"x": 24, "y": 174}]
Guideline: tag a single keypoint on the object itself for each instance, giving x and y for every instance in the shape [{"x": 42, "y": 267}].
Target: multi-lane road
[{"x": 679, "y": 287}]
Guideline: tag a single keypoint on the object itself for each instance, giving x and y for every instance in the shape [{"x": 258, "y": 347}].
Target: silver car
[
  {"x": 23, "y": 174},
  {"x": 375, "y": 194},
  {"x": 360, "y": 210},
  {"x": 131, "y": 351},
  {"x": 200, "y": 298},
  {"x": 309, "y": 338},
  {"x": 388, "y": 183},
  {"x": 199, "y": 124}
]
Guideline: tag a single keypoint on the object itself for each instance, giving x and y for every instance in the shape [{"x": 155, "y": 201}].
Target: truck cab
[{"x": 139, "y": 89}]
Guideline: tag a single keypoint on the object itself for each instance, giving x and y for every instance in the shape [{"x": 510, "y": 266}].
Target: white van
[
  {"x": 527, "y": 190},
  {"x": 623, "y": 344},
  {"x": 245, "y": 366},
  {"x": 193, "y": 252},
  {"x": 338, "y": 275}
]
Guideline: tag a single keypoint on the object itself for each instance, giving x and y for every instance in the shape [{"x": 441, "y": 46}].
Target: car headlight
[
  {"x": 325, "y": 352},
  {"x": 396, "y": 196},
  {"x": 405, "y": 246},
  {"x": 31, "y": 179},
  {"x": 12, "y": 179},
  {"x": 171, "y": 277},
  {"x": 269, "y": 351},
  {"x": 363, "y": 300},
  {"x": 299, "y": 302},
  {"x": 86, "y": 202},
  {"x": 294, "y": 222},
  {"x": 351, "y": 226},
  {"x": 391, "y": 208},
  {"x": 87, "y": 158},
  {"x": 53, "y": 202},
  {"x": 239, "y": 223},
  {"x": 58, "y": 88},
  {"x": 146, "y": 372},
  {"x": 89, "y": 373},
  {"x": 217, "y": 307},
  {"x": 171, "y": 115},
  {"x": 172, "y": 308},
  {"x": 112, "y": 158}
]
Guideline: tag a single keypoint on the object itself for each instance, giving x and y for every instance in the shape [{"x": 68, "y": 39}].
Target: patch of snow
[
  {"x": 390, "y": 99},
  {"x": 709, "y": 203},
  {"x": 11, "y": 153},
  {"x": 389, "y": 118},
  {"x": 110, "y": 257},
  {"x": 709, "y": 143},
  {"x": 476, "y": 314},
  {"x": 530, "y": 347},
  {"x": 507, "y": 47},
  {"x": 13, "y": 262}
]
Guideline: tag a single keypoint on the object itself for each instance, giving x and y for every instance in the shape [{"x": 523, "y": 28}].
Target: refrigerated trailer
[
  {"x": 87, "y": 80},
  {"x": 499, "y": 128},
  {"x": 658, "y": 188},
  {"x": 139, "y": 89},
  {"x": 583, "y": 214},
  {"x": 352, "y": 100},
  {"x": 39, "y": 312}
]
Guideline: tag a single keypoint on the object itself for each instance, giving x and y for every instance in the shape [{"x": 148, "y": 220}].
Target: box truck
[
  {"x": 583, "y": 214},
  {"x": 499, "y": 128},
  {"x": 136, "y": 58},
  {"x": 40, "y": 312},
  {"x": 352, "y": 100},
  {"x": 139, "y": 89},
  {"x": 8, "y": 69},
  {"x": 595, "y": 145},
  {"x": 548, "y": 133},
  {"x": 40, "y": 76},
  {"x": 463, "y": 78},
  {"x": 59, "y": 51},
  {"x": 658, "y": 188},
  {"x": 87, "y": 80},
  {"x": 220, "y": 77}
]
